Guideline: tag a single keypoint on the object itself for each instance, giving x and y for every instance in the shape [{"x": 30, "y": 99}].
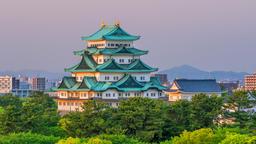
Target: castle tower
[{"x": 110, "y": 69}]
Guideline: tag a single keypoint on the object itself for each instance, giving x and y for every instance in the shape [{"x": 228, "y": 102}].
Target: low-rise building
[{"x": 187, "y": 88}]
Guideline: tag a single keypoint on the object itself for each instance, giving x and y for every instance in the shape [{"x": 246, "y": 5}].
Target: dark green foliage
[
  {"x": 236, "y": 105},
  {"x": 143, "y": 118},
  {"x": 90, "y": 122},
  {"x": 27, "y": 138},
  {"x": 10, "y": 100},
  {"x": 180, "y": 117},
  {"x": 38, "y": 113},
  {"x": 205, "y": 110}
]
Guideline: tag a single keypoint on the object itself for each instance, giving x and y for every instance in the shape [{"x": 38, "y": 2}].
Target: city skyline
[{"x": 210, "y": 35}]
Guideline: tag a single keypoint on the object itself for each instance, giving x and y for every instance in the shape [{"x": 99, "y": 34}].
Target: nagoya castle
[{"x": 110, "y": 69}]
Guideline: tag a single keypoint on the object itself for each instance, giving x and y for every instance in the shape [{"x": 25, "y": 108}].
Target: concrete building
[
  {"x": 187, "y": 88},
  {"x": 110, "y": 69},
  {"x": 5, "y": 84},
  {"x": 15, "y": 83},
  {"x": 163, "y": 79},
  {"x": 250, "y": 82},
  {"x": 38, "y": 83}
]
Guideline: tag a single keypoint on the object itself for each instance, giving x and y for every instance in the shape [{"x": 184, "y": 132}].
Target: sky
[{"x": 207, "y": 34}]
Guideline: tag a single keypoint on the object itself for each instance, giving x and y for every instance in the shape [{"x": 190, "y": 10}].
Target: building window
[
  {"x": 106, "y": 77},
  {"x": 115, "y": 78},
  {"x": 142, "y": 78}
]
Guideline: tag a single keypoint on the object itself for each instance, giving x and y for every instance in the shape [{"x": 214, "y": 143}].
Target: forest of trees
[{"x": 136, "y": 121}]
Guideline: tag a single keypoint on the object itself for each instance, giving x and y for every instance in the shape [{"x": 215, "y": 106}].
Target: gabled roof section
[
  {"x": 83, "y": 85},
  {"x": 128, "y": 82},
  {"x": 87, "y": 64},
  {"x": 110, "y": 65},
  {"x": 111, "y": 32},
  {"x": 67, "y": 82},
  {"x": 139, "y": 65},
  {"x": 204, "y": 85}
]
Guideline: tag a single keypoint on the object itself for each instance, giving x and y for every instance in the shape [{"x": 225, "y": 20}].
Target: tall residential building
[
  {"x": 5, "y": 84},
  {"x": 15, "y": 83},
  {"x": 110, "y": 69},
  {"x": 250, "y": 82},
  {"x": 38, "y": 83}
]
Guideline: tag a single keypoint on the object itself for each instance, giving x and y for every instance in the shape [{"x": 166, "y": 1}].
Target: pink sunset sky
[{"x": 208, "y": 34}]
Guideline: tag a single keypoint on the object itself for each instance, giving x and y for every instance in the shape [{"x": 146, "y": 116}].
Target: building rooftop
[
  {"x": 197, "y": 85},
  {"x": 126, "y": 83},
  {"x": 111, "y": 32}
]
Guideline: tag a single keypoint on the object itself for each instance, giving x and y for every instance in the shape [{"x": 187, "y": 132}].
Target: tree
[
  {"x": 39, "y": 113},
  {"x": 9, "y": 99},
  {"x": 90, "y": 122},
  {"x": 201, "y": 136},
  {"x": 10, "y": 116},
  {"x": 28, "y": 138},
  {"x": 236, "y": 105},
  {"x": 143, "y": 118},
  {"x": 205, "y": 110},
  {"x": 239, "y": 139},
  {"x": 180, "y": 117}
]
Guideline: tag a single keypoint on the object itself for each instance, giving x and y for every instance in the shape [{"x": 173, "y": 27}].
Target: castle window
[
  {"x": 114, "y": 95},
  {"x": 115, "y": 78},
  {"x": 142, "y": 78},
  {"x": 112, "y": 45},
  {"x": 106, "y": 77},
  {"x": 108, "y": 44}
]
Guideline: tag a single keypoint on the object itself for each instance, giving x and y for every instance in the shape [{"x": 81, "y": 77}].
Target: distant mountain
[
  {"x": 189, "y": 72},
  {"x": 34, "y": 73}
]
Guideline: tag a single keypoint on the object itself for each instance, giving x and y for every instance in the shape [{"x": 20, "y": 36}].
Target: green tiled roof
[
  {"x": 111, "y": 32},
  {"x": 127, "y": 83},
  {"x": 113, "y": 51},
  {"x": 87, "y": 64},
  {"x": 67, "y": 83},
  {"x": 136, "y": 66}
]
